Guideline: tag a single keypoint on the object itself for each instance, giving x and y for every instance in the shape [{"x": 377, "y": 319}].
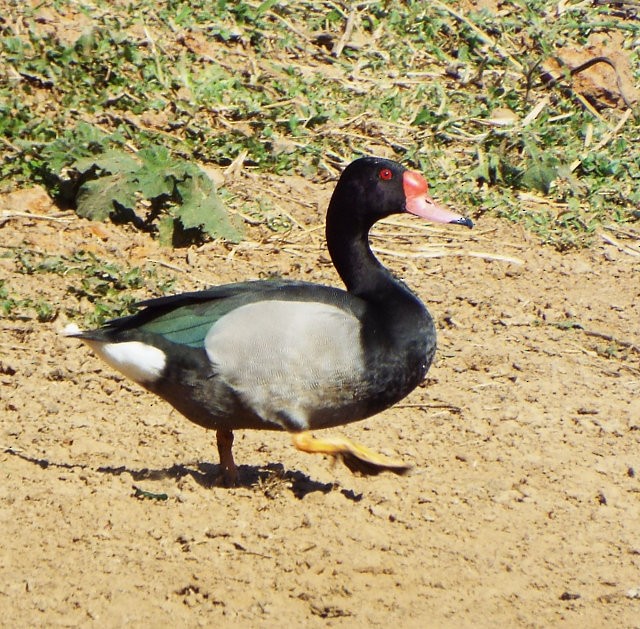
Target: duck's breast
[{"x": 288, "y": 359}]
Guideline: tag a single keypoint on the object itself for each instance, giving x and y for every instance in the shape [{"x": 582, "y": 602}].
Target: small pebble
[{"x": 633, "y": 593}]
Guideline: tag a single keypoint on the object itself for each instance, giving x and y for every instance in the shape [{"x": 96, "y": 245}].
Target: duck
[{"x": 289, "y": 355}]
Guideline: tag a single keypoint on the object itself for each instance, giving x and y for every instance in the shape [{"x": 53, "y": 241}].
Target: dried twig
[
  {"x": 535, "y": 112},
  {"x": 625, "y": 232},
  {"x": 485, "y": 37},
  {"x": 612, "y": 339},
  {"x": 632, "y": 251},
  {"x": 233, "y": 170},
  {"x": 7, "y": 216},
  {"x": 441, "y": 253},
  {"x": 177, "y": 269},
  {"x": 168, "y": 265},
  {"x": 336, "y": 51},
  {"x": 606, "y": 139},
  {"x": 451, "y": 407},
  {"x": 10, "y": 145}
]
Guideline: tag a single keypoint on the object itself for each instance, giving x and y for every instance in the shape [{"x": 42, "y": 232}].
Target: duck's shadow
[{"x": 209, "y": 475}]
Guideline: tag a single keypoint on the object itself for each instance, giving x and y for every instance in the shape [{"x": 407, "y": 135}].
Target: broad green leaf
[
  {"x": 112, "y": 162},
  {"x": 184, "y": 190},
  {"x": 166, "y": 230},
  {"x": 542, "y": 169},
  {"x": 159, "y": 172},
  {"x": 539, "y": 177},
  {"x": 201, "y": 207},
  {"x": 158, "y": 158},
  {"x": 153, "y": 184},
  {"x": 425, "y": 116},
  {"x": 96, "y": 198}
]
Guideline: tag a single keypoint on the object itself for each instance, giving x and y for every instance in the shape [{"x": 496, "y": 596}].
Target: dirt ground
[{"x": 522, "y": 508}]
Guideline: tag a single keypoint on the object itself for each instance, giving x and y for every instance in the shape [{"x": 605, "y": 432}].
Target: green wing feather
[
  {"x": 189, "y": 324},
  {"x": 186, "y": 319}
]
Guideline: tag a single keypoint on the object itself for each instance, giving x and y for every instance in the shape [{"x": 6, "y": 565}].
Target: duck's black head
[{"x": 371, "y": 188}]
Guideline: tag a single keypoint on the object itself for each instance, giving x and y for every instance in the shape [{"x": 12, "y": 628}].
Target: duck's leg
[
  {"x": 356, "y": 457},
  {"x": 224, "y": 439}
]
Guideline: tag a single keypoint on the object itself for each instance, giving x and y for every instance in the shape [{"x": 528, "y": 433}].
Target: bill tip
[{"x": 463, "y": 220}]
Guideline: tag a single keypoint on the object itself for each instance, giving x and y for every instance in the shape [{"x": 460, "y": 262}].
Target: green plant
[
  {"x": 152, "y": 190},
  {"x": 447, "y": 89},
  {"x": 112, "y": 291},
  {"x": 15, "y": 308}
]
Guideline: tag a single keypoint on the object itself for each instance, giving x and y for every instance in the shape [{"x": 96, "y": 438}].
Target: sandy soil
[{"x": 522, "y": 508}]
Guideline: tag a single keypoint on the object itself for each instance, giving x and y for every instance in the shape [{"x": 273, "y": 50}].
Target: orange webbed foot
[{"x": 356, "y": 457}]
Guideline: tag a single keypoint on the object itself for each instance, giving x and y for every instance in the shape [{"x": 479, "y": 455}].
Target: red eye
[{"x": 386, "y": 174}]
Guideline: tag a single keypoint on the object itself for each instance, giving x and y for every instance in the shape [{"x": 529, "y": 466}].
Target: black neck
[
  {"x": 362, "y": 273},
  {"x": 352, "y": 257}
]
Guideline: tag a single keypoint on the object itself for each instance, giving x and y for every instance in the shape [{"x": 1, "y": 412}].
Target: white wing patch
[
  {"x": 70, "y": 329},
  {"x": 136, "y": 360},
  {"x": 288, "y": 357}
]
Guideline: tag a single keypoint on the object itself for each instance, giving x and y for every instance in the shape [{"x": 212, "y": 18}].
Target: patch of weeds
[
  {"x": 23, "y": 309},
  {"x": 111, "y": 291},
  {"x": 152, "y": 190},
  {"x": 568, "y": 324},
  {"x": 607, "y": 351},
  {"x": 143, "y": 494},
  {"x": 8, "y": 303},
  {"x": 433, "y": 84}
]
